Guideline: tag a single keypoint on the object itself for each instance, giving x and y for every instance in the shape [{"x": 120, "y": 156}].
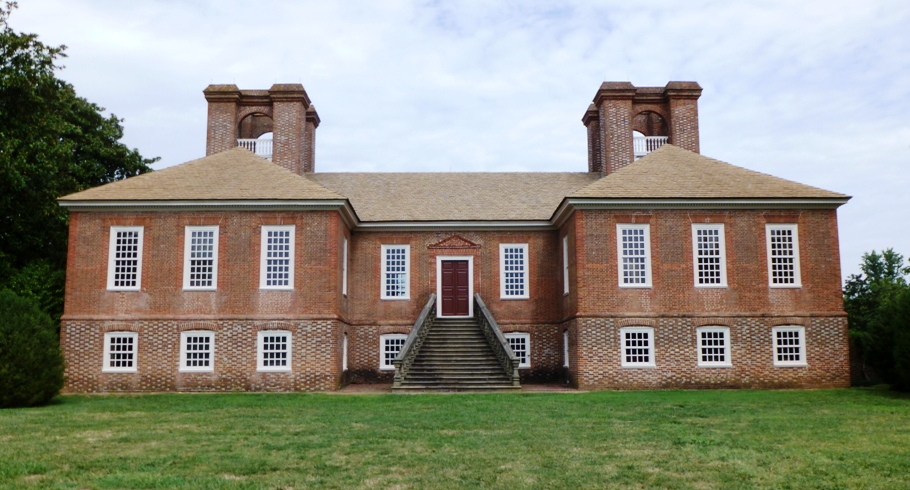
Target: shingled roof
[
  {"x": 456, "y": 196},
  {"x": 672, "y": 172},
  {"x": 236, "y": 174}
]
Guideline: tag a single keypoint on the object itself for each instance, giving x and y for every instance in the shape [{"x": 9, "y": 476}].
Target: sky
[{"x": 811, "y": 91}]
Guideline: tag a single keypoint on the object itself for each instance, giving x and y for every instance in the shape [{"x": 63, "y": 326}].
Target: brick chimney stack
[
  {"x": 620, "y": 108},
  {"x": 283, "y": 110}
]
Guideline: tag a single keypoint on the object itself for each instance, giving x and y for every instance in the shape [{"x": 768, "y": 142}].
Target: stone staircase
[{"x": 455, "y": 356}]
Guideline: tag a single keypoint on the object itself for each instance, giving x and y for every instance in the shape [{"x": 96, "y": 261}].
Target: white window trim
[
  {"x": 382, "y": 339},
  {"x": 802, "y": 345},
  {"x": 565, "y": 265},
  {"x": 527, "y": 337},
  {"x": 797, "y": 280},
  {"x": 651, "y": 349},
  {"x": 187, "y": 244},
  {"x": 105, "y": 366},
  {"x": 260, "y": 358},
  {"x": 723, "y": 254},
  {"x": 111, "y": 257},
  {"x": 565, "y": 348},
  {"x": 344, "y": 268},
  {"x": 263, "y": 256},
  {"x": 344, "y": 353},
  {"x": 384, "y": 275},
  {"x": 502, "y": 270},
  {"x": 726, "y": 331},
  {"x": 648, "y": 271},
  {"x": 439, "y": 261},
  {"x": 183, "y": 353}
]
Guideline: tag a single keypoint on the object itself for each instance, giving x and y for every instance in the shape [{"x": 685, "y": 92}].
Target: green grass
[{"x": 857, "y": 438}]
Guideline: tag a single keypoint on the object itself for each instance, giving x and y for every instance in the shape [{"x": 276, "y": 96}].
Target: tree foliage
[
  {"x": 878, "y": 308},
  {"x": 52, "y": 143},
  {"x": 31, "y": 366}
]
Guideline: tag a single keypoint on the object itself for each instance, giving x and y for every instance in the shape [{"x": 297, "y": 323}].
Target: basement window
[
  {"x": 120, "y": 352},
  {"x": 513, "y": 271},
  {"x": 789, "y": 346},
  {"x": 637, "y": 346},
  {"x": 389, "y": 347},
  {"x": 783, "y": 256},
  {"x": 634, "y": 246},
  {"x": 520, "y": 343},
  {"x": 197, "y": 351},
  {"x": 274, "y": 351},
  {"x": 276, "y": 269},
  {"x": 713, "y": 346},
  {"x": 124, "y": 270},
  {"x": 200, "y": 258}
]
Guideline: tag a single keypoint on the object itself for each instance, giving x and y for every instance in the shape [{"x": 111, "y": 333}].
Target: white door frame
[{"x": 439, "y": 261}]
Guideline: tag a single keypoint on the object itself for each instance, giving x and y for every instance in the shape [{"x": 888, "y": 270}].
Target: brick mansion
[{"x": 249, "y": 270}]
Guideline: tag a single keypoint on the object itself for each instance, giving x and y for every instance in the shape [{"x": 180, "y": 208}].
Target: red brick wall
[{"x": 673, "y": 290}]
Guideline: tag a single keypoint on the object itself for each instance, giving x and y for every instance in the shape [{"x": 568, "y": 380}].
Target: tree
[
  {"x": 52, "y": 143},
  {"x": 31, "y": 366},
  {"x": 877, "y": 302}
]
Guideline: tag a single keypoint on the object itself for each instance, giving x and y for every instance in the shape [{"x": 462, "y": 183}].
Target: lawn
[{"x": 857, "y": 438}]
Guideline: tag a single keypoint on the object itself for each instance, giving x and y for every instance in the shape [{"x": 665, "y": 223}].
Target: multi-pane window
[
  {"x": 634, "y": 252},
  {"x": 783, "y": 256},
  {"x": 709, "y": 256},
  {"x": 389, "y": 347},
  {"x": 344, "y": 268},
  {"x": 789, "y": 346},
  {"x": 200, "y": 258},
  {"x": 197, "y": 351},
  {"x": 713, "y": 346},
  {"x": 120, "y": 352},
  {"x": 513, "y": 273},
  {"x": 637, "y": 346},
  {"x": 277, "y": 264},
  {"x": 395, "y": 271},
  {"x": 274, "y": 350},
  {"x": 124, "y": 271},
  {"x": 565, "y": 265},
  {"x": 520, "y": 343}
]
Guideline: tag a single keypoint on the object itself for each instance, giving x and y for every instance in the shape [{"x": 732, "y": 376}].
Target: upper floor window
[
  {"x": 520, "y": 343},
  {"x": 789, "y": 345},
  {"x": 389, "y": 347},
  {"x": 709, "y": 255},
  {"x": 200, "y": 258},
  {"x": 634, "y": 252},
  {"x": 637, "y": 346},
  {"x": 276, "y": 269},
  {"x": 783, "y": 256},
  {"x": 513, "y": 271},
  {"x": 344, "y": 268},
  {"x": 396, "y": 267},
  {"x": 565, "y": 264},
  {"x": 713, "y": 346},
  {"x": 124, "y": 269}
]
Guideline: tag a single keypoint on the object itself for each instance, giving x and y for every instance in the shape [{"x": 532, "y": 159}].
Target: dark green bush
[
  {"x": 31, "y": 365},
  {"x": 897, "y": 317}
]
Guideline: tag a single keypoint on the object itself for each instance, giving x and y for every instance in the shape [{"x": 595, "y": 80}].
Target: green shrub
[
  {"x": 898, "y": 318},
  {"x": 31, "y": 365}
]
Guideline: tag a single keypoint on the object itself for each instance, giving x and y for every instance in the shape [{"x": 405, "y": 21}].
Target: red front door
[{"x": 455, "y": 288}]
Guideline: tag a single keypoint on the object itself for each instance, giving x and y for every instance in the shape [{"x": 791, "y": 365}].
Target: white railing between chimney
[
  {"x": 261, "y": 147},
  {"x": 642, "y": 145}
]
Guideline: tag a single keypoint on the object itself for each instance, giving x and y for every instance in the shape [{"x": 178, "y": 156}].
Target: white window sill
[
  {"x": 273, "y": 370},
  {"x": 785, "y": 286},
  {"x": 510, "y": 298},
  {"x": 200, "y": 289},
  {"x": 126, "y": 371},
  {"x": 283, "y": 288},
  {"x": 791, "y": 365},
  {"x": 714, "y": 366},
  {"x": 711, "y": 286},
  {"x": 387, "y": 368},
  {"x": 635, "y": 286},
  {"x": 637, "y": 366},
  {"x": 124, "y": 289},
  {"x": 192, "y": 370}
]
